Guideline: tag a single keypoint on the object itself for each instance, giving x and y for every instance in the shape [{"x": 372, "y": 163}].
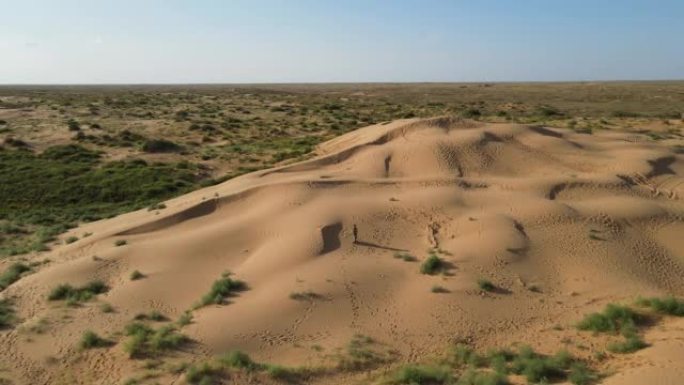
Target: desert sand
[{"x": 561, "y": 222}]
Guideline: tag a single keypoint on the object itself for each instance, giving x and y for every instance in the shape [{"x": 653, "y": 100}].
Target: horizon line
[{"x": 339, "y": 83}]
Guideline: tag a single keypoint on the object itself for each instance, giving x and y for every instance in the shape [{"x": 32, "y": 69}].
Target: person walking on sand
[{"x": 355, "y": 232}]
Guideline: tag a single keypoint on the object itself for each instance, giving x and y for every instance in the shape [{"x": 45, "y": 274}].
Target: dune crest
[{"x": 560, "y": 222}]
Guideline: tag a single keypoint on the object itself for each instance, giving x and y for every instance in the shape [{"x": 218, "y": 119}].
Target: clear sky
[{"x": 243, "y": 41}]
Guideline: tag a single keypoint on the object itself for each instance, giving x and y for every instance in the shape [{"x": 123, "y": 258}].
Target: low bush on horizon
[{"x": 77, "y": 294}]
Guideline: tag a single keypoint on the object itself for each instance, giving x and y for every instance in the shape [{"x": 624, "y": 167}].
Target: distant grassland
[{"x": 79, "y": 153}]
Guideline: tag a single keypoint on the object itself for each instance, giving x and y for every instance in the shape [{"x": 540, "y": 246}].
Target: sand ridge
[{"x": 584, "y": 219}]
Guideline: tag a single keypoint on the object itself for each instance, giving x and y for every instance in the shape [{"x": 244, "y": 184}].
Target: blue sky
[{"x": 243, "y": 41}]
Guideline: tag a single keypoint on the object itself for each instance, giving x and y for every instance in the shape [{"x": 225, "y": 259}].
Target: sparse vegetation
[
  {"x": 485, "y": 285},
  {"x": 360, "y": 354},
  {"x": 154, "y": 315},
  {"x": 160, "y": 145},
  {"x": 71, "y": 239},
  {"x": 406, "y": 257},
  {"x": 77, "y": 294},
  {"x": 91, "y": 340},
  {"x": 305, "y": 296},
  {"x": 241, "y": 129},
  {"x": 613, "y": 319},
  {"x": 13, "y": 274},
  {"x": 617, "y": 319},
  {"x": 184, "y": 319},
  {"x": 220, "y": 290},
  {"x": 432, "y": 265},
  {"x": 422, "y": 375},
  {"x": 212, "y": 372},
  {"x": 7, "y": 316},
  {"x": 136, "y": 275},
  {"x": 630, "y": 344},
  {"x": 144, "y": 341},
  {"x": 120, "y": 242},
  {"x": 668, "y": 305}
]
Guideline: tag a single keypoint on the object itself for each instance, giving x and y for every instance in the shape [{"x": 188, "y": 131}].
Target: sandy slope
[{"x": 586, "y": 219}]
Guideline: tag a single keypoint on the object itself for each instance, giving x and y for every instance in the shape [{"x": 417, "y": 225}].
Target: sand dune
[{"x": 583, "y": 219}]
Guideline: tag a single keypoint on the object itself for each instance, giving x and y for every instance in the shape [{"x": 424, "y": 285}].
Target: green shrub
[
  {"x": 73, "y": 125},
  {"x": 221, "y": 289},
  {"x": 79, "y": 294},
  {"x": 7, "y": 316},
  {"x": 160, "y": 145},
  {"x": 432, "y": 265},
  {"x": 239, "y": 360},
  {"x": 282, "y": 373},
  {"x": 12, "y": 274},
  {"x": 535, "y": 367},
  {"x": 580, "y": 374},
  {"x": 136, "y": 275},
  {"x": 485, "y": 285},
  {"x": 91, "y": 340},
  {"x": 145, "y": 341},
  {"x": 668, "y": 305},
  {"x": 473, "y": 377},
  {"x": 120, "y": 242},
  {"x": 630, "y": 344},
  {"x": 613, "y": 319},
  {"x": 359, "y": 354},
  {"x": 421, "y": 374},
  {"x": 154, "y": 315},
  {"x": 463, "y": 355},
  {"x": 184, "y": 319},
  {"x": 439, "y": 289},
  {"x": 304, "y": 296},
  {"x": 50, "y": 191},
  {"x": 203, "y": 373},
  {"x": 71, "y": 239},
  {"x": 405, "y": 257}
]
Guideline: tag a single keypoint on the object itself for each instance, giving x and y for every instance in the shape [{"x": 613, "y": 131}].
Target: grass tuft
[
  {"x": 421, "y": 375},
  {"x": 136, "y": 275},
  {"x": 613, "y": 319},
  {"x": 13, "y": 274},
  {"x": 145, "y": 341},
  {"x": 667, "y": 305},
  {"x": 77, "y": 294},
  {"x": 432, "y": 265},
  {"x": 485, "y": 285},
  {"x": 7, "y": 316},
  {"x": 91, "y": 340},
  {"x": 221, "y": 289}
]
